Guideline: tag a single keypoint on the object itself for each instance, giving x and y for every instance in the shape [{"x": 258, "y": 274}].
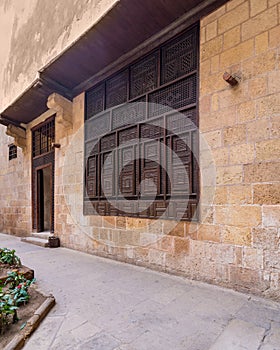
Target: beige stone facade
[{"x": 237, "y": 242}]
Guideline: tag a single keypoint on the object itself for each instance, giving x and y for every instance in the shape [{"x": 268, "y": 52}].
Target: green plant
[
  {"x": 14, "y": 279},
  {"x": 20, "y": 292},
  {"x": 19, "y": 285},
  {"x": 8, "y": 256},
  {"x": 8, "y": 310}
]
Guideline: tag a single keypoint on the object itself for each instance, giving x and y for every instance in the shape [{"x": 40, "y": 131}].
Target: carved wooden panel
[
  {"x": 144, "y": 75},
  {"x": 95, "y": 101},
  {"x": 179, "y": 56},
  {"x": 175, "y": 96},
  {"x": 129, "y": 114},
  {"x": 116, "y": 89},
  {"x": 98, "y": 126}
]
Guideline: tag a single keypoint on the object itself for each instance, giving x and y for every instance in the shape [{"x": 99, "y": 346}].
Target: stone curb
[{"x": 32, "y": 324}]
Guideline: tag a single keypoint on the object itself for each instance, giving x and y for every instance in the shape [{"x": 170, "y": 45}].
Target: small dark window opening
[{"x": 12, "y": 151}]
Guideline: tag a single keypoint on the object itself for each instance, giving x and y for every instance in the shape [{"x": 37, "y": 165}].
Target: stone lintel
[
  {"x": 18, "y": 134},
  {"x": 63, "y": 108}
]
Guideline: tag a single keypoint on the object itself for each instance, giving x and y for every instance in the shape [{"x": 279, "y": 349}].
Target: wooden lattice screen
[{"x": 166, "y": 78}]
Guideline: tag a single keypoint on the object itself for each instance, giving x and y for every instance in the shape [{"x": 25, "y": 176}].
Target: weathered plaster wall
[{"x": 34, "y": 32}]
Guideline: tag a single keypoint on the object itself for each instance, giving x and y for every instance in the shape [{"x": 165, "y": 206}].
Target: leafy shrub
[
  {"x": 8, "y": 310},
  {"x": 13, "y": 294},
  {"x": 8, "y": 256},
  {"x": 14, "y": 279}
]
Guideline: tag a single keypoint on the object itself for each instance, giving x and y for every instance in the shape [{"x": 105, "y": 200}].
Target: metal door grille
[{"x": 166, "y": 78}]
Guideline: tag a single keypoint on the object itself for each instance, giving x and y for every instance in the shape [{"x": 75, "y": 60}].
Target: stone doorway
[
  {"x": 43, "y": 161},
  {"x": 44, "y": 198}
]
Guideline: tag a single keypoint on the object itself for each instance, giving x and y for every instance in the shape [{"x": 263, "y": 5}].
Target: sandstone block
[
  {"x": 156, "y": 257},
  {"x": 253, "y": 258},
  {"x": 266, "y": 238},
  {"x": 211, "y": 48},
  {"x": 274, "y": 35},
  {"x": 257, "y": 6},
  {"x": 247, "y": 278},
  {"x": 229, "y": 175},
  {"x": 260, "y": 23},
  {"x": 242, "y": 154},
  {"x": 260, "y": 64},
  {"x": 213, "y": 16},
  {"x": 166, "y": 243},
  {"x": 202, "y": 35},
  {"x": 258, "y": 87},
  {"x": 209, "y": 233},
  {"x": 268, "y": 150},
  {"x": 221, "y": 195},
  {"x": 215, "y": 100},
  {"x": 271, "y": 260},
  {"x": 275, "y": 125},
  {"x": 240, "y": 194},
  {"x": 232, "y": 4},
  {"x": 271, "y": 215},
  {"x": 273, "y": 2},
  {"x": 174, "y": 229},
  {"x": 273, "y": 82},
  {"x": 237, "y": 54},
  {"x": 261, "y": 43},
  {"x": 223, "y": 253},
  {"x": 215, "y": 64},
  {"x": 234, "y": 17},
  {"x": 205, "y": 69},
  {"x": 211, "y": 30},
  {"x": 210, "y": 83},
  {"x": 205, "y": 104},
  {"x": 181, "y": 246},
  {"x": 232, "y": 37},
  {"x": 213, "y": 138},
  {"x": 266, "y": 193},
  {"x": 262, "y": 172},
  {"x": 222, "y": 118},
  {"x": 258, "y": 130},
  {"x": 220, "y": 156},
  {"x": 247, "y": 216},
  {"x": 236, "y": 235},
  {"x": 246, "y": 111}
]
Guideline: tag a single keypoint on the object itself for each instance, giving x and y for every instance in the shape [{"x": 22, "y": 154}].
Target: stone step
[
  {"x": 42, "y": 242},
  {"x": 43, "y": 235}
]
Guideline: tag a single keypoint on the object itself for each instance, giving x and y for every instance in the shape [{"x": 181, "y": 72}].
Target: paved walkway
[{"x": 106, "y": 305}]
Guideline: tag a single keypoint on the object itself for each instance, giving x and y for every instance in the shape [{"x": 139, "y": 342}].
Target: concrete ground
[{"x": 106, "y": 305}]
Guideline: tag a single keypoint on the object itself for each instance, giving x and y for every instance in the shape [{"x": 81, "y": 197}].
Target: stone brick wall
[
  {"x": 15, "y": 189},
  {"x": 242, "y": 125},
  {"x": 236, "y": 243}
]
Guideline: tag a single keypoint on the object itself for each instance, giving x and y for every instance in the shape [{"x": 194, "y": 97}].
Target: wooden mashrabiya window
[{"x": 140, "y": 136}]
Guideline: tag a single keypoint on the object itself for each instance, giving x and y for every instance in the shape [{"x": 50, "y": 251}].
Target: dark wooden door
[{"x": 40, "y": 200}]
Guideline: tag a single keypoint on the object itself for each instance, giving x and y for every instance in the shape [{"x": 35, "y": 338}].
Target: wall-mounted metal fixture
[
  {"x": 231, "y": 80},
  {"x": 56, "y": 145}
]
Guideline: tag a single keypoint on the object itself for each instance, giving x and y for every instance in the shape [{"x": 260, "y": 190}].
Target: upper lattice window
[{"x": 43, "y": 138}]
